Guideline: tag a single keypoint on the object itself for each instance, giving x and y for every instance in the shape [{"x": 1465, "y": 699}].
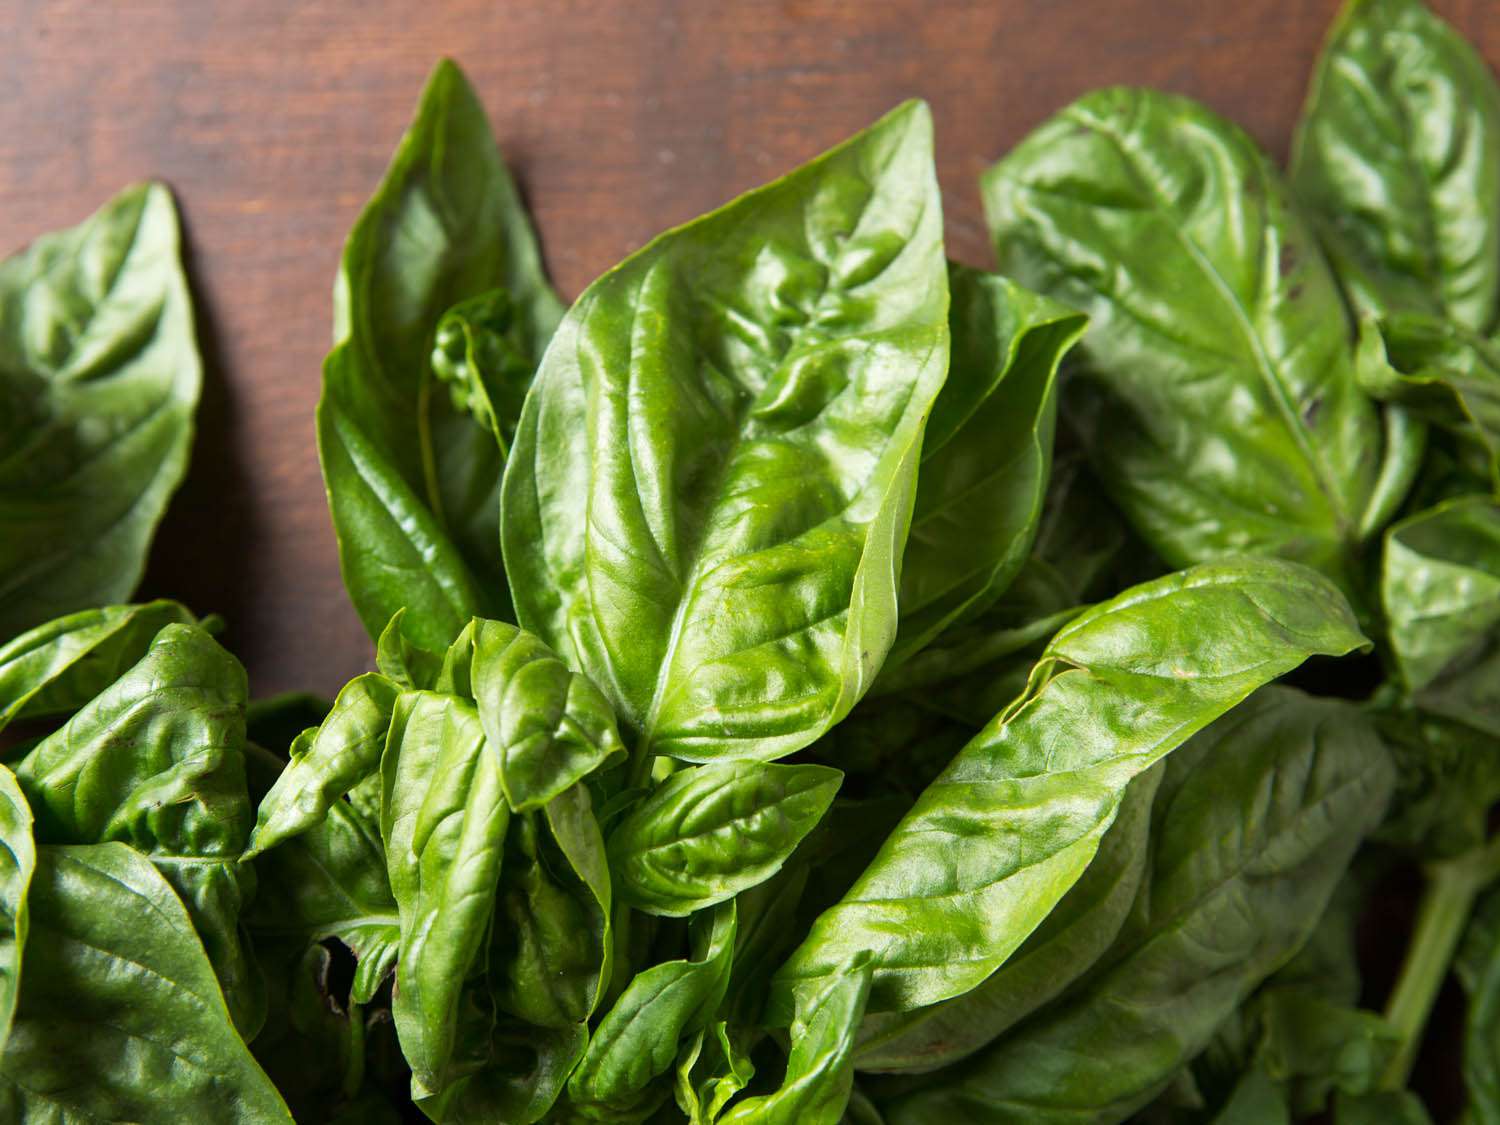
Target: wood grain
[{"x": 273, "y": 119}]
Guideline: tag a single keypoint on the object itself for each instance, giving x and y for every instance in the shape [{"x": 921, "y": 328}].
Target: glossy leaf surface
[
  {"x": 413, "y": 478},
  {"x": 17, "y": 865},
  {"x": 1267, "y": 809},
  {"x": 1398, "y": 158},
  {"x": 1012, "y": 823},
  {"x": 706, "y": 834},
  {"x": 709, "y": 492},
  {"x": 99, "y": 378},
  {"x": 1218, "y": 401}
]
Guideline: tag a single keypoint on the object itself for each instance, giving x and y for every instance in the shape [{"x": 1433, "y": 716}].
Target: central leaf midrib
[{"x": 1263, "y": 366}]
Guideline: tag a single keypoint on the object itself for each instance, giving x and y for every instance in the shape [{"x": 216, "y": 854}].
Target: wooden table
[{"x": 273, "y": 119}]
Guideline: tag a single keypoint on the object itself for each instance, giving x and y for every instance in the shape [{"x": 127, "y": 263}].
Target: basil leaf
[
  {"x": 17, "y": 866},
  {"x": 412, "y": 478},
  {"x": 1446, "y": 375},
  {"x": 1396, "y": 1107},
  {"x": 1117, "y": 689},
  {"x": 59, "y": 666},
  {"x": 1478, "y": 968},
  {"x": 638, "y": 1038},
  {"x": 1448, "y": 779},
  {"x": 1295, "y": 783},
  {"x": 444, "y": 822},
  {"x": 985, "y": 456},
  {"x": 1217, "y": 399},
  {"x": 157, "y": 761},
  {"x": 99, "y": 378},
  {"x": 327, "y": 762},
  {"x": 1440, "y": 585},
  {"x": 711, "y": 483},
  {"x": 707, "y": 834},
  {"x": 119, "y": 1017},
  {"x": 549, "y": 725},
  {"x": 1070, "y": 940},
  {"x": 820, "y": 1067},
  {"x": 1398, "y": 158},
  {"x": 707, "y": 1080}
]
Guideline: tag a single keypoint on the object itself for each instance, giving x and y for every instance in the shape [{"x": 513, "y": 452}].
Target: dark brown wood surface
[{"x": 273, "y": 119}]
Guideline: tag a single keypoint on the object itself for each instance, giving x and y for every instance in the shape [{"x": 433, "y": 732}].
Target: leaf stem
[{"x": 1442, "y": 915}]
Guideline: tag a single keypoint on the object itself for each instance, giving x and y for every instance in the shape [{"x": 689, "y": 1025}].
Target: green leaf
[
  {"x": 1448, "y": 779},
  {"x": 1478, "y": 968},
  {"x": 549, "y": 725},
  {"x": 710, "y": 832},
  {"x": 120, "y": 1018},
  {"x": 1217, "y": 397},
  {"x": 327, "y": 882},
  {"x": 709, "y": 492},
  {"x": 985, "y": 456},
  {"x": 1070, "y": 940},
  {"x": 157, "y": 761},
  {"x": 820, "y": 1067},
  {"x": 327, "y": 762},
  {"x": 1397, "y": 157},
  {"x": 1013, "y": 822},
  {"x": 17, "y": 866},
  {"x": 711, "y": 1069},
  {"x": 483, "y": 352},
  {"x": 99, "y": 378},
  {"x": 444, "y": 823},
  {"x": 1446, "y": 375},
  {"x": 412, "y": 478},
  {"x": 59, "y": 666},
  {"x": 1282, "y": 790},
  {"x": 638, "y": 1037},
  {"x": 1440, "y": 585},
  {"x": 1397, "y": 1107}
]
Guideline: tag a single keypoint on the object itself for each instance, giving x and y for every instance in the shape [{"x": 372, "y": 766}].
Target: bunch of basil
[{"x": 826, "y": 773}]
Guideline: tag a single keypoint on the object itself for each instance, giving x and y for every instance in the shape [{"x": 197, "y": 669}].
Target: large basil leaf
[
  {"x": 1283, "y": 789},
  {"x": 549, "y": 725},
  {"x": 412, "y": 478},
  {"x": 120, "y": 1017},
  {"x": 17, "y": 865},
  {"x": 1440, "y": 584},
  {"x": 638, "y": 1037},
  {"x": 59, "y": 666},
  {"x": 327, "y": 882},
  {"x": 706, "y": 834},
  {"x": 327, "y": 762},
  {"x": 1068, "y": 943},
  {"x": 993, "y": 844},
  {"x": 1218, "y": 400},
  {"x": 1447, "y": 375},
  {"x": 1398, "y": 158},
  {"x": 820, "y": 1066},
  {"x": 986, "y": 453},
  {"x": 709, "y": 492},
  {"x": 444, "y": 821},
  {"x": 99, "y": 378},
  {"x": 157, "y": 761}
]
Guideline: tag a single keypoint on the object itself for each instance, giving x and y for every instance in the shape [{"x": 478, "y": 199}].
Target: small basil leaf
[
  {"x": 17, "y": 865},
  {"x": 520, "y": 1080},
  {"x": 638, "y": 1037},
  {"x": 549, "y": 725},
  {"x": 401, "y": 661},
  {"x": 1440, "y": 585},
  {"x": 1448, "y": 779},
  {"x": 157, "y": 761},
  {"x": 711, "y": 1069},
  {"x": 1285, "y": 787},
  {"x": 120, "y": 1018},
  {"x": 820, "y": 1067},
  {"x": 711, "y": 483},
  {"x": 99, "y": 378},
  {"x": 708, "y": 833},
  {"x": 1446, "y": 375},
  {"x": 1070, "y": 940},
  {"x": 985, "y": 456},
  {"x": 1217, "y": 398},
  {"x": 1397, "y": 157},
  {"x": 444, "y": 822},
  {"x": 412, "y": 479},
  {"x": 327, "y": 762},
  {"x": 57, "y": 667},
  {"x": 482, "y": 351},
  {"x": 953, "y": 892}
]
